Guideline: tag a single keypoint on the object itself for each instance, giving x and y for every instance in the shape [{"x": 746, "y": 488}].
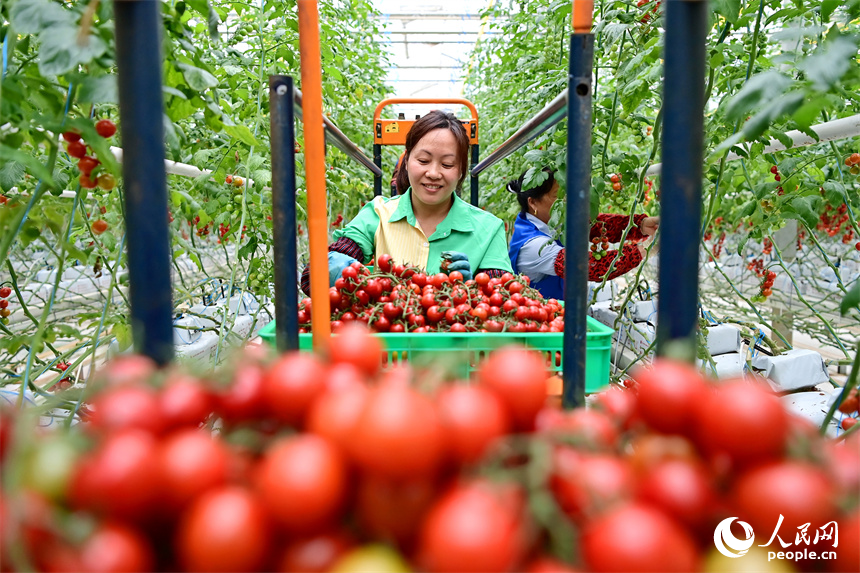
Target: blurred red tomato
[
  {"x": 472, "y": 417},
  {"x": 518, "y": 376}
]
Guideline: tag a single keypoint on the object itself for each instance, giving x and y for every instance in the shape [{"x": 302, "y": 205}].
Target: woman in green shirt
[{"x": 428, "y": 220}]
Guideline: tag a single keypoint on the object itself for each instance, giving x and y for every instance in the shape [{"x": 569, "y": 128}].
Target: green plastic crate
[{"x": 461, "y": 353}]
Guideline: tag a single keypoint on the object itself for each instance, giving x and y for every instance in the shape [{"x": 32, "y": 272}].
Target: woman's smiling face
[{"x": 432, "y": 168}]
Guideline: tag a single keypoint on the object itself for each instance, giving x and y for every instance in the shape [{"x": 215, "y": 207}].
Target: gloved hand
[
  {"x": 457, "y": 262},
  {"x": 336, "y": 263}
]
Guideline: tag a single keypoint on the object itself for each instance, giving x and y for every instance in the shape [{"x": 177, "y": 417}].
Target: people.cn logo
[{"x": 727, "y": 543}]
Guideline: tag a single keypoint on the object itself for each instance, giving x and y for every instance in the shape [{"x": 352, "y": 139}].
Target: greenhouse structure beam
[{"x": 551, "y": 114}]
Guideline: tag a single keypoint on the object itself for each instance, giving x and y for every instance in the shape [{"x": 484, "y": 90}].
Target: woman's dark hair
[
  {"x": 436, "y": 119},
  {"x": 515, "y": 186}
]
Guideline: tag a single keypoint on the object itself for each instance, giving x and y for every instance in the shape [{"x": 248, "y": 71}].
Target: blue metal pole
[
  {"x": 377, "y": 160},
  {"x": 578, "y": 198},
  {"x": 282, "y": 138},
  {"x": 139, "y": 65},
  {"x": 681, "y": 185},
  {"x": 474, "y": 178}
]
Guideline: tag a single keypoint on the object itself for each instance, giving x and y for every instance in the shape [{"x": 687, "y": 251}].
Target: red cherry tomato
[
  {"x": 191, "y": 463},
  {"x": 291, "y": 384},
  {"x": 106, "y": 128},
  {"x": 637, "y": 538},
  {"x": 518, "y": 377},
  {"x": 669, "y": 395},
  {"x": 116, "y": 548},
  {"x": 304, "y": 482},
  {"x": 224, "y": 530},
  {"x": 398, "y": 435},
  {"x": 473, "y": 417}
]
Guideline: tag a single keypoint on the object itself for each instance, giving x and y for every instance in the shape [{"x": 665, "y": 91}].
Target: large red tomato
[
  {"x": 745, "y": 422},
  {"x": 116, "y": 548},
  {"x": 586, "y": 484},
  {"x": 291, "y": 384},
  {"x": 314, "y": 554},
  {"x": 638, "y": 538},
  {"x": 121, "y": 478},
  {"x": 393, "y": 510},
  {"x": 681, "y": 488},
  {"x": 474, "y": 527},
  {"x": 335, "y": 414},
  {"x": 398, "y": 435},
  {"x": 618, "y": 404},
  {"x": 669, "y": 395},
  {"x": 518, "y": 376},
  {"x": 355, "y": 345},
  {"x": 126, "y": 407},
  {"x": 304, "y": 482},
  {"x": 184, "y": 402},
  {"x": 191, "y": 463},
  {"x": 473, "y": 418},
  {"x": 848, "y": 553},
  {"x": 125, "y": 369},
  {"x": 589, "y": 428},
  {"x": 761, "y": 494},
  {"x": 243, "y": 399},
  {"x": 224, "y": 530}
]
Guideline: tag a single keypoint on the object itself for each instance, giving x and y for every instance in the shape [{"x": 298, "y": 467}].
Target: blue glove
[
  {"x": 458, "y": 262},
  {"x": 336, "y": 263}
]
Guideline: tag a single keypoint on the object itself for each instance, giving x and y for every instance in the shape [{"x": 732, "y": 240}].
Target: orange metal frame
[
  {"x": 393, "y": 131},
  {"x": 581, "y": 16}
]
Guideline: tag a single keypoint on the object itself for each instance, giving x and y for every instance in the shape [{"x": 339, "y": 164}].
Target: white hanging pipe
[{"x": 829, "y": 131}]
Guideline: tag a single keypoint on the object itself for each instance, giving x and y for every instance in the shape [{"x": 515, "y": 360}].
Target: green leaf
[
  {"x": 534, "y": 155},
  {"x": 242, "y": 133},
  {"x": 198, "y": 79},
  {"x": 30, "y": 162},
  {"x": 828, "y": 64},
  {"x": 729, "y": 9},
  {"x": 101, "y": 89},
  {"x": 806, "y": 207},
  {"x": 759, "y": 89},
  {"x": 33, "y": 16},
  {"x": 60, "y": 51},
  {"x": 827, "y": 8},
  {"x": 122, "y": 332},
  {"x": 851, "y": 300},
  {"x": 11, "y": 174}
]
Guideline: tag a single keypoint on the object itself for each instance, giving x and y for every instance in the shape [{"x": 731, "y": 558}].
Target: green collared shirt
[{"x": 387, "y": 225}]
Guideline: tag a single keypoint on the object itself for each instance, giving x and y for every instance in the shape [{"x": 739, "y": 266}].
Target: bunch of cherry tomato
[
  {"x": 5, "y": 292},
  {"x": 396, "y": 298},
  {"x": 298, "y": 463},
  {"x": 76, "y": 147}
]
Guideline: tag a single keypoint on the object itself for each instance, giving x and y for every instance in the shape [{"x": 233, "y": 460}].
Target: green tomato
[
  {"x": 237, "y": 199},
  {"x": 50, "y": 465}
]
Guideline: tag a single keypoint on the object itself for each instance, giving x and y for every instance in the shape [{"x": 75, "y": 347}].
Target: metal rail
[
  {"x": 551, "y": 114},
  {"x": 336, "y": 137}
]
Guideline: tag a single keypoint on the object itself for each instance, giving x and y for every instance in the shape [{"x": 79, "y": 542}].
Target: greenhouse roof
[{"x": 430, "y": 44}]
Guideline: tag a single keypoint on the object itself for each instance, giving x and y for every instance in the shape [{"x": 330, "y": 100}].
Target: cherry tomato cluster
[
  {"x": 717, "y": 248},
  {"x": 766, "y": 286},
  {"x": 300, "y": 464},
  {"x": 615, "y": 179},
  {"x": 234, "y": 180},
  {"x": 848, "y": 237},
  {"x": 832, "y": 224},
  {"x": 767, "y": 246},
  {"x": 850, "y": 406},
  {"x": 77, "y": 148},
  {"x": 337, "y": 221},
  {"x": 853, "y": 161},
  {"x": 801, "y": 234},
  {"x": 600, "y": 244},
  {"x": 396, "y": 298},
  {"x": 5, "y": 292},
  {"x": 649, "y": 185},
  {"x": 649, "y": 13}
]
